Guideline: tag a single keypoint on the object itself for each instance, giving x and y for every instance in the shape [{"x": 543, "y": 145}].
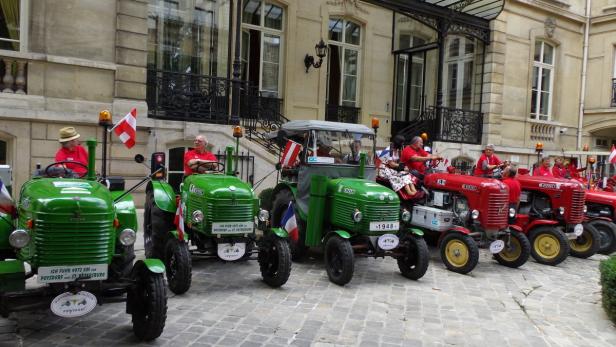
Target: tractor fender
[
  {"x": 539, "y": 222},
  {"x": 126, "y": 211},
  {"x": 590, "y": 220},
  {"x": 280, "y": 232},
  {"x": 454, "y": 229},
  {"x": 284, "y": 185},
  {"x": 164, "y": 196},
  {"x": 152, "y": 265},
  {"x": 516, "y": 228},
  {"x": 415, "y": 231},
  {"x": 342, "y": 233}
]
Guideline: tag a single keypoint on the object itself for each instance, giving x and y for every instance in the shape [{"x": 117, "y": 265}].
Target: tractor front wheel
[
  {"x": 156, "y": 225},
  {"x": 549, "y": 245},
  {"x": 587, "y": 244},
  {"x": 178, "y": 265},
  {"x": 459, "y": 252},
  {"x": 414, "y": 263},
  {"x": 607, "y": 232},
  {"x": 339, "y": 260},
  {"x": 150, "y": 310},
  {"x": 275, "y": 261},
  {"x": 516, "y": 251}
]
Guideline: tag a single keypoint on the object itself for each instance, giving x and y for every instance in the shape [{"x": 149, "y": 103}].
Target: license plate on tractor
[
  {"x": 232, "y": 227},
  {"x": 58, "y": 274},
  {"x": 384, "y": 226}
]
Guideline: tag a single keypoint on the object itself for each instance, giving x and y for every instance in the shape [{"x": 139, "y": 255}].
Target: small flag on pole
[
  {"x": 290, "y": 153},
  {"x": 179, "y": 219},
  {"x": 289, "y": 223},
  {"x": 6, "y": 202},
  {"x": 612, "y": 158},
  {"x": 126, "y": 129}
]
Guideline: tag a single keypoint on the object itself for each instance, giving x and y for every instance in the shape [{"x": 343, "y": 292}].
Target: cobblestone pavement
[{"x": 229, "y": 305}]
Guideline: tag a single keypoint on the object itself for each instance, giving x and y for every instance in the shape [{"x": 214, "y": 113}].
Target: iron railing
[
  {"x": 344, "y": 114},
  {"x": 447, "y": 124},
  {"x": 613, "y": 103},
  {"x": 245, "y": 165},
  {"x": 261, "y": 115}
]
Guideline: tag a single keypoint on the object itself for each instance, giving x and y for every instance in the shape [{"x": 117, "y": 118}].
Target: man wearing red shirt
[
  {"x": 487, "y": 162},
  {"x": 544, "y": 168},
  {"x": 194, "y": 159},
  {"x": 71, "y": 150},
  {"x": 514, "y": 186},
  {"x": 559, "y": 170},
  {"x": 415, "y": 158},
  {"x": 574, "y": 172}
]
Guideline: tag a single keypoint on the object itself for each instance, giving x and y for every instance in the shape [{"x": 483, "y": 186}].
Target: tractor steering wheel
[
  {"x": 67, "y": 171},
  {"x": 220, "y": 167}
]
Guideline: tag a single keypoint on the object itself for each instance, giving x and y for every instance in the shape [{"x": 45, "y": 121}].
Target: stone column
[{"x": 8, "y": 75}]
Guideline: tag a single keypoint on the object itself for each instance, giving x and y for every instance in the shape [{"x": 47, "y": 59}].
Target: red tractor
[
  {"x": 463, "y": 213},
  {"x": 601, "y": 215},
  {"x": 551, "y": 213}
]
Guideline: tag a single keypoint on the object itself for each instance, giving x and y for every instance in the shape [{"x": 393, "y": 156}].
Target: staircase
[{"x": 261, "y": 115}]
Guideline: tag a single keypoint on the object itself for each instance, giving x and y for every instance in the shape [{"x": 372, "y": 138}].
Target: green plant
[
  {"x": 265, "y": 198},
  {"x": 608, "y": 284}
]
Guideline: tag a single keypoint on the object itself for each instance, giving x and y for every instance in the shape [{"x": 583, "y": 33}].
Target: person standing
[
  {"x": 515, "y": 189},
  {"x": 544, "y": 168},
  {"x": 199, "y": 159},
  {"x": 487, "y": 162},
  {"x": 71, "y": 151}
]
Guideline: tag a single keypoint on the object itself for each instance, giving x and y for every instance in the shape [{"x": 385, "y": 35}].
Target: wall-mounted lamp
[
  {"x": 539, "y": 151},
  {"x": 320, "y": 50}
]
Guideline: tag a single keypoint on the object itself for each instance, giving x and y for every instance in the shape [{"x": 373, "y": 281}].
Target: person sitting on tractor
[
  {"x": 391, "y": 170},
  {"x": 573, "y": 170},
  {"x": 543, "y": 169},
  {"x": 71, "y": 150},
  {"x": 414, "y": 157},
  {"x": 487, "y": 162},
  {"x": 559, "y": 170},
  {"x": 515, "y": 189},
  {"x": 199, "y": 158},
  {"x": 353, "y": 157}
]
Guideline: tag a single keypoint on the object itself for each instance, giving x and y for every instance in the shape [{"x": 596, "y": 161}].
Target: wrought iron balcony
[
  {"x": 447, "y": 124},
  {"x": 261, "y": 115},
  {"x": 613, "y": 103},
  {"x": 344, "y": 114}
]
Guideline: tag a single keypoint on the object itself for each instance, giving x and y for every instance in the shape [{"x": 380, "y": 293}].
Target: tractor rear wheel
[
  {"x": 516, "y": 253},
  {"x": 459, "y": 252},
  {"x": 279, "y": 207},
  {"x": 150, "y": 311},
  {"x": 549, "y": 245},
  {"x": 339, "y": 260},
  {"x": 178, "y": 265},
  {"x": 587, "y": 244},
  {"x": 274, "y": 261},
  {"x": 414, "y": 263},
  {"x": 607, "y": 232},
  {"x": 156, "y": 226}
]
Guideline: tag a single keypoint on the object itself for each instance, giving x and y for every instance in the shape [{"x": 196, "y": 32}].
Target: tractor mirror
[{"x": 139, "y": 158}]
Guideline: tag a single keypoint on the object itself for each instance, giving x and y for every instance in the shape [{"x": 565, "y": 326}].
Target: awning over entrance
[{"x": 486, "y": 9}]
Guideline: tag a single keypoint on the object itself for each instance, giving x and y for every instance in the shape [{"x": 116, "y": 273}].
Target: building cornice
[
  {"x": 58, "y": 59},
  {"x": 555, "y": 7}
]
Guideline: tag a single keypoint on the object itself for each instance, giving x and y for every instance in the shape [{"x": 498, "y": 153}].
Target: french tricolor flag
[
  {"x": 289, "y": 223},
  {"x": 290, "y": 153}
]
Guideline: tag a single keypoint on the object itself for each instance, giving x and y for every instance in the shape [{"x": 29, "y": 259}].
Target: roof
[
  {"x": 486, "y": 9},
  {"x": 304, "y": 125}
]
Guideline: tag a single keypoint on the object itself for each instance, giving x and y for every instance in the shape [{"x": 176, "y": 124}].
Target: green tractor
[
  {"x": 218, "y": 216},
  {"x": 76, "y": 236},
  {"x": 327, "y": 197}
]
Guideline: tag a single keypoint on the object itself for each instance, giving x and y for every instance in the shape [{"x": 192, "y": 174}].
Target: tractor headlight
[
  {"x": 357, "y": 216},
  {"x": 406, "y": 215},
  {"x": 511, "y": 212},
  {"x": 561, "y": 210},
  {"x": 19, "y": 238},
  {"x": 585, "y": 208},
  {"x": 127, "y": 237},
  {"x": 475, "y": 214},
  {"x": 263, "y": 215},
  {"x": 197, "y": 216}
]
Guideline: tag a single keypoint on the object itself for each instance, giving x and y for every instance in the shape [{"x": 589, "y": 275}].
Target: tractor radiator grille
[
  {"x": 74, "y": 243},
  {"x": 576, "y": 212},
  {"x": 228, "y": 211},
  {"x": 342, "y": 211},
  {"x": 498, "y": 211}
]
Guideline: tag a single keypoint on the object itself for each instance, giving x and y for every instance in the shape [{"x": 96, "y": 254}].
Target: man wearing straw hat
[{"x": 71, "y": 150}]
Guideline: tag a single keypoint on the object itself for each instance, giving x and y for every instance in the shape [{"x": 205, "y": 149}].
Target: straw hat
[{"x": 68, "y": 134}]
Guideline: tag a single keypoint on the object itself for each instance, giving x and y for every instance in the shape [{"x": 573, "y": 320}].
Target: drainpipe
[{"x": 583, "y": 86}]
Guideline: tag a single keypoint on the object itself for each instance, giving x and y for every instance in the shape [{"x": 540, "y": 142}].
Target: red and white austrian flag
[
  {"x": 126, "y": 129},
  {"x": 612, "y": 158},
  {"x": 179, "y": 219},
  {"x": 290, "y": 153}
]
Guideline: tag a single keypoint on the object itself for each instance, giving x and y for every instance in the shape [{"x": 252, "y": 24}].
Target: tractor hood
[
  {"x": 462, "y": 182},
  {"x": 603, "y": 198},
  {"x": 213, "y": 186},
  {"x": 361, "y": 189},
  {"x": 549, "y": 183},
  {"x": 53, "y": 195}
]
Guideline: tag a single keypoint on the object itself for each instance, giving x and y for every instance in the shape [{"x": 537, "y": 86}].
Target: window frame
[
  {"x": 263, "y": 30},
  {"x": 409, "y": 60},
  {"x": 540, "y": 65},
  {"x": 24, "y": 17},
  {"x": 460, "y": 61},
  {"x": 344, "y": 46}
]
